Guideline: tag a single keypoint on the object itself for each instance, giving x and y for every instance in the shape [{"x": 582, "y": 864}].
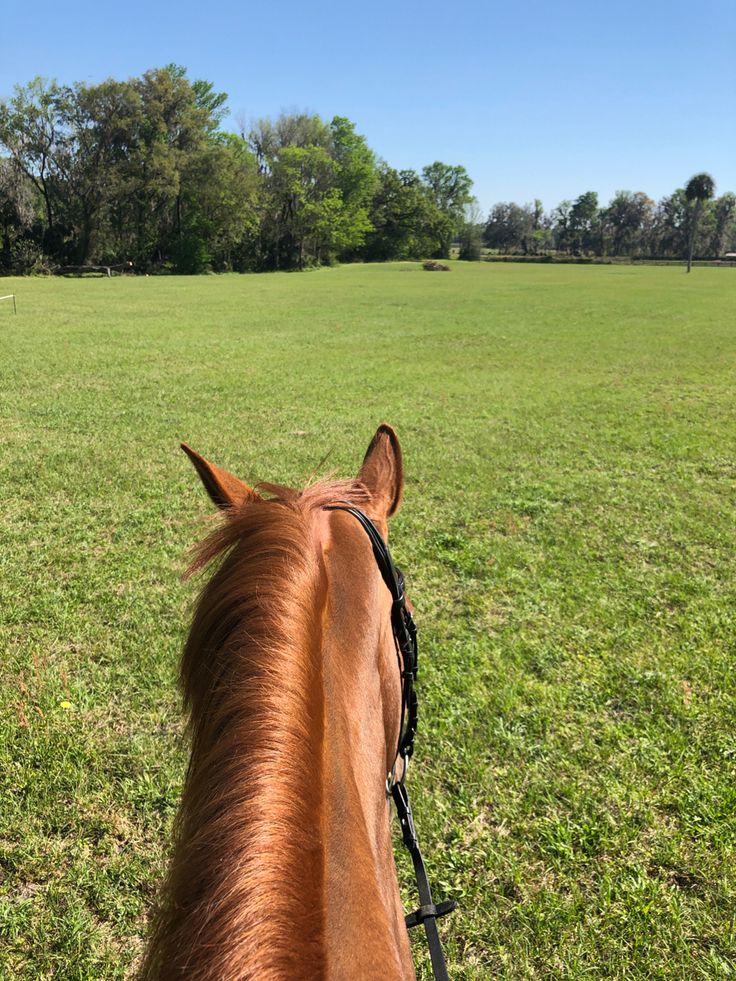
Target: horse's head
[
  {"x": 358, "y": 604},
  {"x": 381, "y": 479}
]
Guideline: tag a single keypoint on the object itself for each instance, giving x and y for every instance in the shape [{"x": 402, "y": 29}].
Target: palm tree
[{"x": 699, "y": 189}]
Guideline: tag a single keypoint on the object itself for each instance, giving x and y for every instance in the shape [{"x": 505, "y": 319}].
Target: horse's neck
[
  {"x": 284, "y": 866},
  {"x": 365, "y": 932}
]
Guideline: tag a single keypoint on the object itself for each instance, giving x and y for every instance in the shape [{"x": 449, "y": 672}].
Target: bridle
[{"x": 405, "y": 639}]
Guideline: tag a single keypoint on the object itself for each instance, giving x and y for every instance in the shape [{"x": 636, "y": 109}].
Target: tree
[
  {"x": 355, "y": 179},
  {"x": 319, "y": 182},
  {"x": 16, "y": 214},
  {"x": 510, "y": 227},
  {"x": 698, "y": 190},
  {"x": 583, "y": 226},
  {"x": 176, "y": 129},
  {"x": 449, "y": 188},
  {"x": 724, "y": 213},
  {"x": 626, "y": 222},
  {"x": 669, "y": 230},
  {"x": 470, "y": 235},
  {"x": 32, "y": 130},
  {"x": 401, "y": 215},
  {"x": 307, "y": 203},
  {"x": 267, "y": 137},
  {"x": 560, "y": 219},
  {"x": 219, "y": 207},
  {"x": 114, "y": 164},
  {"x": 102, "y": 122}
]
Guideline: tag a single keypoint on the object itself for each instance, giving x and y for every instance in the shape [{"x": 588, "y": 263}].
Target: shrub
[{"x": 27, "y": 259}]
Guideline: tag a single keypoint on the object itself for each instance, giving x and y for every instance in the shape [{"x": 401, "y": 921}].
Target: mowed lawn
[{"x": 568, "y": 533}]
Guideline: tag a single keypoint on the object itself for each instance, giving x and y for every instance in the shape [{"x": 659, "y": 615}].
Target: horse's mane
[{"x": 247, "y": 872}]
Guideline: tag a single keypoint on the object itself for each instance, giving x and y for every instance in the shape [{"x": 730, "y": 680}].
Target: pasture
[{"x": 568, "y": 537}]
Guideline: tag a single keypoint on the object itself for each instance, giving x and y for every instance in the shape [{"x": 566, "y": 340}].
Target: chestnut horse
[{"x": 283, "y": 865}]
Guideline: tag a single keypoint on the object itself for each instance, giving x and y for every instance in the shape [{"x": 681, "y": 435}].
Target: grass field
[{"x": 568, "y": 534}]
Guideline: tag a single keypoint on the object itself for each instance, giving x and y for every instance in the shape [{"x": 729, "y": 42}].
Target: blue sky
[{"x": 535, "y": 99}]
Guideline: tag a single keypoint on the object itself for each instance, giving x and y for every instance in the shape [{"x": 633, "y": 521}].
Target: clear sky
[{"x": 536, "y": 98}]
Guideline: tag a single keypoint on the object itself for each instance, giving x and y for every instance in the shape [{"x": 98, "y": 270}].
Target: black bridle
[{"x": 405, "y": 638}]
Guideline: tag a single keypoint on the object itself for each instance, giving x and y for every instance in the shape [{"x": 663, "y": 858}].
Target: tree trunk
[
  {"x": 693, "y": 230},
  {"x": 50, "y": 236},
  {"x": 85, "y": 239}
]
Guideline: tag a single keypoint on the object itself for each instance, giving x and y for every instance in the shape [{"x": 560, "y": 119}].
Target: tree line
[
  {"x": 689, "y": 222},
  {"x": 143, "y": 171}
]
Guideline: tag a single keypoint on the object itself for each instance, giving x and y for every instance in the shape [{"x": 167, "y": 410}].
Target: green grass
[{"x": 567, "y": 531}]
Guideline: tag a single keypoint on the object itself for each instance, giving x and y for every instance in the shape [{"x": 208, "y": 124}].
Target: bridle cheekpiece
[{"x": 405, "y": 639}]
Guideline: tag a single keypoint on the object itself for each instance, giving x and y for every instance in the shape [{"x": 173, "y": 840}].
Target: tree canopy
[
  {"x": 698, "y": 190},
  {"x": 681, "y": 225},
  {"x": 143, "y": 171}
]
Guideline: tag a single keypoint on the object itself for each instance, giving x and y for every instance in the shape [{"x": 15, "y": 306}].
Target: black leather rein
[{"x": 405, "y": 638}]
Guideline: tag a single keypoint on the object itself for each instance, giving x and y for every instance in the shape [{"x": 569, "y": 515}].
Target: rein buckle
[{"x": 431, "y": 911}]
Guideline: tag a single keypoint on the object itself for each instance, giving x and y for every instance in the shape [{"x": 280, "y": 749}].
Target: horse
[{"x": 283, "y": 865}]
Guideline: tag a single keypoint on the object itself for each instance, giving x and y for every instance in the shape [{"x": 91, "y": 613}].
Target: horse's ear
[
  {"x": 383, "y": 472},
  {"x": 225, "y": 490}
]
